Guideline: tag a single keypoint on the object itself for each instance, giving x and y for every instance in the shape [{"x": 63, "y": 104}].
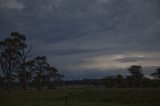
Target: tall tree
[
  {"x": 23, "y": 71},
  {"x": 10, "y": 55},
  {"x": 44, "y": 74},
  {"x": 42, "y": 71}
]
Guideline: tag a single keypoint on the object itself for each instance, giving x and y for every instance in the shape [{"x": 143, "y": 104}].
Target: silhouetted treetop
[{"x": 136, "y": 70}]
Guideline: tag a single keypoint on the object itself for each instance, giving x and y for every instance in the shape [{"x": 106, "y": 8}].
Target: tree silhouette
[
  {"x": 10, "y": 56},
  {"x": 39, "y": 65},
  {"x": 136, "y": 71},
  {"x": 23, "y": 73},
  {"x": 43, "y": 72},
  {"x": 14, "y": 53},
  {"x": 136, "y": 75}
]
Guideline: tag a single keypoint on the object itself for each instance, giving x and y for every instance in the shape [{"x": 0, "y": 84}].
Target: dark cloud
[{"x": 79, "y": 30}]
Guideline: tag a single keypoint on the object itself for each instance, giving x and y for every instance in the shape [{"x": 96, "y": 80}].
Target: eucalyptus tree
[
  {"x": 23, "y": 69},
  {"x": 42, "y": 72},
  {"x": 10, "y": 56}
]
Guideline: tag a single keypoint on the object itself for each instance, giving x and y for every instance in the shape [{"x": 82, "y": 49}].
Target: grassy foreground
[{"x": 82, "y": 97}]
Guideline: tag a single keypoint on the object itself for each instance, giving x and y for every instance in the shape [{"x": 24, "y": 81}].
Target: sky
[{"x": 87, "y": 38}]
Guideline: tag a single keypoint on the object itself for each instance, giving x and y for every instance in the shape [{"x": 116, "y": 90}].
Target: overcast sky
[{"x": 88, "y": 38}]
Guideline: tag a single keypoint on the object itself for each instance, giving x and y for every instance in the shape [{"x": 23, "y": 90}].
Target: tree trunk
[
  {"x": 24, "y": 81},
  {"x": 8, "y": 84}
]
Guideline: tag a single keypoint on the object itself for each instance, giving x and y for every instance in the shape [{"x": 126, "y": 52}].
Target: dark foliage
[{"x": 15, "y": 66}]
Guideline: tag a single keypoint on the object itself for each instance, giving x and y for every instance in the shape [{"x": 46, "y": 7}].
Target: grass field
[{"x": 82, "y": 97}]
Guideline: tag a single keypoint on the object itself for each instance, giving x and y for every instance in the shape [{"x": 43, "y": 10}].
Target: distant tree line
[
  {"x": 136, "y": 79},
  {"x": 18, "y": 66}
]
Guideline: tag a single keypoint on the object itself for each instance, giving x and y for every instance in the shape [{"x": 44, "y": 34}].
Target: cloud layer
[{"x": 85, "y": 37}]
